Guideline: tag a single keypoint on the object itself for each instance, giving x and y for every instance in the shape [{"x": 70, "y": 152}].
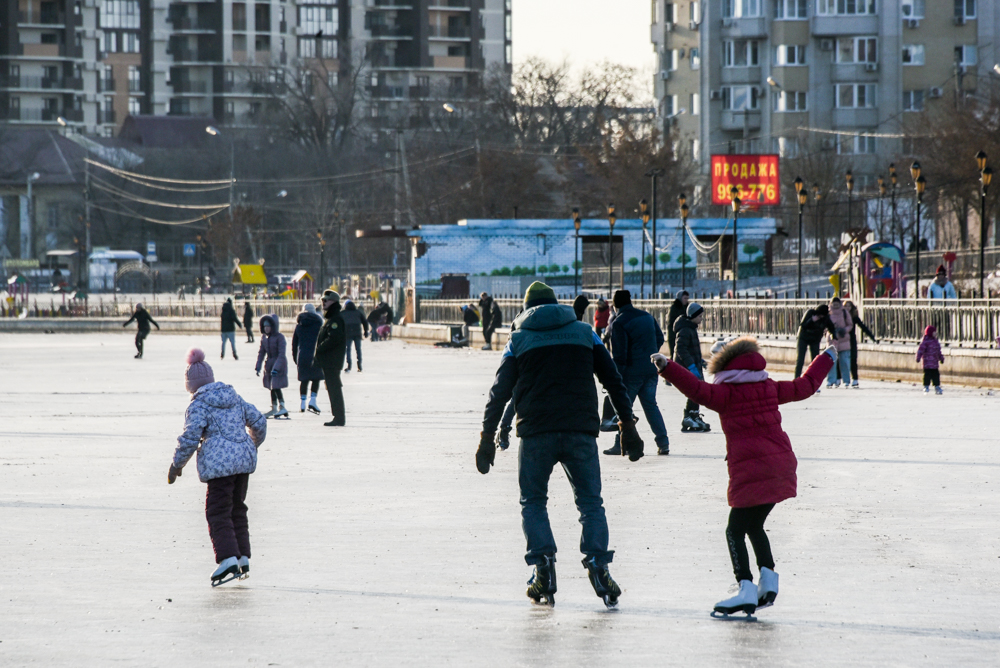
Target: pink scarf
[{"x": 739, "y": 376}]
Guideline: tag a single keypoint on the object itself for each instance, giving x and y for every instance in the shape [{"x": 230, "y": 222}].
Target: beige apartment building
[{"x": 776, "y": 76}]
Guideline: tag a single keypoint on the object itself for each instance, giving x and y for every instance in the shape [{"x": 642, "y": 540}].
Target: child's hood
[
  {"x": 217, "y": 395},
  {"x": 273, "y": 320},
  {"x": 739, "y": 354}
]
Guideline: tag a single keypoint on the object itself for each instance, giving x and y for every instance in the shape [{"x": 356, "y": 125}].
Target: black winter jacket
[
  {"x": 677, "y": 310},
  {"x": 548, "y": 368},
  {"x": 635, "y": 335},
  {"x": 470, "y": 316},
  {"x": 230, "y": 321},
  {"x": 247, "y": 317},
  {"x": 811, "y": 331},
  {"x": 307, "y": 326},
  {"x": 688, "y": 350},
  {"x": 331, "y": 343},
  {"x": 354, "y": 320},
  {"x": 142, "y": 318}
]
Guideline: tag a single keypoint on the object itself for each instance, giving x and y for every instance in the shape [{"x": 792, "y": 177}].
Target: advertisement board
[{"x": 755, "y": 176}]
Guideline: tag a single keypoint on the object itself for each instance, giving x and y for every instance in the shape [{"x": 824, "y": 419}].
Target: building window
[
  {"x": 965, "y": 9},
  {"x": 739, "y": 98},
  {"x": 845, "y": 7},
  {"x": 134, "y": 79},
  {"x": 694, "y": 12},
  {"x": 913, "y": 9},
  {"x": 134, "y": 107},
  {"x": 695, "y": 148},
  {"x": 788, "y": 9},
  {"x": 670, "y": 103},
  {"x": 262, "y": 43},
  {"x": 508, "y": 52},
  {"x": 858, "y": 144},
  {"x": 741, "y": 53},
  {"x": 787, "y": 147},
  {"x": 314, "y": 19},
  {"x": 668, "y": 12},
  {"x": 913, "y": 54},
  {"x": 695, "y": 104},
  {"x": 857, "y": 50},
  {"x": 788, "y": 54},
  {"x": 674, "y": 58},
  {"x": 119, "y": 14},
  {"x": 307, "y": 47},
  {"x": 913, "y": 100},
  {"x": 966, "y": 55},
  {"x": 735, "y": 9},
  {"x": 695, "y": 58},
  {"x": 855, "y": 96},
  {"x": 788, "y": 100}
]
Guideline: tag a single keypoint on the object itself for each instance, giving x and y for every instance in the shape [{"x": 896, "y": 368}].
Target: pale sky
[{"x": 583, "y": 31}]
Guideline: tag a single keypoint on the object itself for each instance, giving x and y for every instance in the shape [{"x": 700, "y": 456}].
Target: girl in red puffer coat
[{"x": 758, "y": 451}]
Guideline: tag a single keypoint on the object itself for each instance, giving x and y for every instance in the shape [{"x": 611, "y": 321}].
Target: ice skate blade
[
  {"x": 314, "y": 411},
  {"x": 544, "y": 601},
  {"x": 727, "y": 617},
  {"x": 226, "y": 577},
  {"x": 767, "y": 601},
  {"x": 611, "y": 603}
]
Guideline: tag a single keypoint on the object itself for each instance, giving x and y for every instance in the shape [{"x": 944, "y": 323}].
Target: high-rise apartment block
[
  {"x": 756, "y": 76},
  {"x": 90, "y": 63}
]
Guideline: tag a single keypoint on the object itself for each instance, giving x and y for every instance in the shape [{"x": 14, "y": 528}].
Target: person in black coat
[
  {"x": 248, "y": 321},
  {"x": 492, "y": 318},
  {"x": 142, "y": 319},
  {"x": 814, "y": 323},
  {"x": 228, "y": 327},
  {"x": 307, "y": 327},
  {"x": 331, "y": 347},
  {"x": 580, "y": 306},
  {"x": 677, "y": 310},
  {"x": 687, "y": 353},
  {"x": 356, "y": 328},
  {"x": 855, "y": 323},
  {"x": 375, "y": 317}
]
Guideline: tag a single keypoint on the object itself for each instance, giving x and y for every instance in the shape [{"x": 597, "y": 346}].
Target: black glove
[
  {"x": 631, "y": 443},
  {"x": 486, "y": 453},
  {"x": 258, "y": 373},
  {"x": 173, "y": 474}
]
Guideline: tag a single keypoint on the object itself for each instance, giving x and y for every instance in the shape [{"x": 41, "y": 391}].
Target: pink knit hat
[{"x": 198, "y": 373}]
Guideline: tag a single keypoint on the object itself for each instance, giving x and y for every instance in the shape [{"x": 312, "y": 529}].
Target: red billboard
[{"x": 755, "y": 176}]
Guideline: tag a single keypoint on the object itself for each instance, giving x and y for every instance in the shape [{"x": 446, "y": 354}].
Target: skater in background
[
  {"x": 840, "y": 339},
  {"x": 470, "y": 318},
  {"x": 677, "y": 310},
  {"x": 228, "y": 328},
  {"x": 142, "y": 320},
  {"x": 248, "y": 321},
  {"x": 307, "y": 326},
  {"x": 814, "y": 323},
  {"x": 491, "y": 316},
  {"x": 356, "y": 327},
  {"x": 942, "y": 288},
  {"x": 580, "y": 306},
  {"x": 215, "y": 426},
  {"x": 601, "y": 315},
  {"x": 635, "y": 336},
  {"x": 852, "y": 310},
  {"x": 929, "y": 352},
  {"x": 272, "y": 346},
  {"x": 331, "y": 344},
  {"x": 758, "y": 451},
  {"x": 687, "y": 353},
  {"x": 548, "y": 368},
  {"x": 379, "y": 315}
]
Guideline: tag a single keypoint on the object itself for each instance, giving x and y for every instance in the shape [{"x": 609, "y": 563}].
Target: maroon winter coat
[{"x": 758, "y": 451}]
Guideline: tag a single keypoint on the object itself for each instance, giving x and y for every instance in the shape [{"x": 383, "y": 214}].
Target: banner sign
[{"x": 756, "y": 177}]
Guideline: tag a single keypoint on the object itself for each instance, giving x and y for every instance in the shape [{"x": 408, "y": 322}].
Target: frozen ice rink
[{"x": 380, "y": 544}]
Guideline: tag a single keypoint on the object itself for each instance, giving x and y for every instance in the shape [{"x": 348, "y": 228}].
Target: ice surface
[{"x": 380, "y": 544}]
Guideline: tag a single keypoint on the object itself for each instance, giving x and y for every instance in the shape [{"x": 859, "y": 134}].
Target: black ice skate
[
  {"x": 604, "y": 585},
  {"x": 692, "y": 422},
  {"x": 227, "y": 571},
  {"x": 542, "y": 585},
  {"x": 281, "y": 413}
]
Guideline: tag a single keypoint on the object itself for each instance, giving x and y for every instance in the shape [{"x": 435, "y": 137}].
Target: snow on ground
[{"x": 380, "y": 544}]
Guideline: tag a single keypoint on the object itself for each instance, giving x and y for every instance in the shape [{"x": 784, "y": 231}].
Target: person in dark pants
[
  {"x": 228, "y": 328},
  {"x": 855, "y": 323},
  {"x": 142, "y": 320},
  {"x": 375, "y": 317},
  {"x": 548, "y": 368},
  {"x": 677, "y": 310},
  {"x": 687, "y": 353},
  {"x": 307, "y": 327},
  {"x": 356, "y": 328},
  {"x": 635, "y": 335},
  {"x": 331, "y": 346},
  {"x": 814, "y": 323},
  {"x": 492, "y": 318},
  {"x": 248, "y": 321}
]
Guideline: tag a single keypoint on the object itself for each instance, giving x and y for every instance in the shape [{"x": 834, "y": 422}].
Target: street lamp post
[
  {"x": 849, "y": 177},
  {"x": 881, "y": 196},
  {"x": 919, "y": 184},
  {"x": 611, "y": 232},
  {"x": 985, "y": 176},
  {"x": 736, "y": 238},
  {"x": 28, "y": 232},
  {"x": 682, "y": 200},
  {"x": 644, "y": 211},
  {"x": 816, "y": 196},
  {"x": 322, "y": 259},
  {"x": 653, "y": 174},
  {"x": 800, "y": 192},
  {"x": 894, "y": 179},
  {"x": 576, "y": 250}
]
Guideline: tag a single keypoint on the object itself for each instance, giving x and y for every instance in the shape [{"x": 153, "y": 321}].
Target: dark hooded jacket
[
  {"x": 331, "y": 343},
  {"x": 354, "y": 321},
  {"x": 580, "y": 306},
  {"x": 230, "y": 321},
  {"x": 635, "y": 335},
  {"x": 375, "y": 316},
  {"x": 688, "y": 350},
  {"x": 247, "y": 316},
  {"x": 307, "y": 327},
  {"x": 548, "y": 368},
  {"x": 677, "y": 310},
  {"x": 142, "y": 319},
  {"x": 811, "y": 331},
  {"x": 273, "y": 348}
]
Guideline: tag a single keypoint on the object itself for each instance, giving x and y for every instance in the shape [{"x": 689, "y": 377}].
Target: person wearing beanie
[
  {"x": 580, "y": 306},
  {"x": 814, "y": 323},
  {"x": 248, "y": 320},
  {"x": 759, "y": 456},
  {"x": 941, "y": 288},
  {"x": 142, "y": 320},
  {"x": 272, "y": 346},
  {"x": 677, "y": 310},
  {"x": 331, "y": 346},
  {"x": 635, "y": 335},
  {"x": 548, "y": 369},
  {"x": 216, "y": 425},
  {"x": 929, "y": 352},
  {"x": 230, "y": 321},
  {"x": 307, "y": 326},
  {"x": 687, "y": 353}
]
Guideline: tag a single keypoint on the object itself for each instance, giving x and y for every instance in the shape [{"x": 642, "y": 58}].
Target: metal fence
[
  {"x": 966, "y": 322},
  {"x": 285, "y": 309}
]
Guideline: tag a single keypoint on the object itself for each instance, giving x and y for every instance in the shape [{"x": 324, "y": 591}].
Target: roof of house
[
  {"x": 56, "y": 159},
  {"x": 165, "y": 131}
]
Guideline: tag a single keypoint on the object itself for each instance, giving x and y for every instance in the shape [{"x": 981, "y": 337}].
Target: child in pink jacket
[{"x": 929, "y": 353}]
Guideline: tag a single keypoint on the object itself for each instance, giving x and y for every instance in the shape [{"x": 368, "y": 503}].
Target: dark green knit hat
[{"x": 537, "y": 294}]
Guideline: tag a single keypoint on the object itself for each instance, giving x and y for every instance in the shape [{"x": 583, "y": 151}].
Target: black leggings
[
  {"x": 748, "y": 522},
  {"x": 932, "y": 376},
  {"x": 140, "y": 336},
  {"x": 276, "y": 395},
  {"x": 304, "y": 385}
]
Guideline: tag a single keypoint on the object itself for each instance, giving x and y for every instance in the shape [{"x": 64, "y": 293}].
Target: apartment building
[{"x": 763, "y": 76}]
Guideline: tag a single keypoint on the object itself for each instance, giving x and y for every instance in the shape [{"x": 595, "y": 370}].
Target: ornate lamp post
[
  {"x": 611, "y": 232},
  {"x": 816, "y": 196},
  {"x": 849, "y": 178},
  {"x": 894, "y": 179},
  {"x": 682, "y": 201},
  {"x": 653, "y": 174},
  {"x": 919, "y": 184},
  {"x": 322, "y": 259},
  {"x": 576, "y": 250},
  {"x": 800, "y": 192},
  {"x": 736, "y": 242},
  {"x": 985, "y": 176},
  {"x": 644, "y": 212}
]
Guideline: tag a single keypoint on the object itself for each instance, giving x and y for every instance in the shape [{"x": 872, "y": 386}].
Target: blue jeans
[
  {"x": 357, "y": 347},
  {"x": 645, "y": 389},
  {"x": 844, "y": 362},
  {"x": 231, "y": 337},
  {"x": 577, "y": 452}
]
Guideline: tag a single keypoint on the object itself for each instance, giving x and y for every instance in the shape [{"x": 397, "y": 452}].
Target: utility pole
[
  {"x": 86, "y": 213},
  {"x": 653, "y": 174}
]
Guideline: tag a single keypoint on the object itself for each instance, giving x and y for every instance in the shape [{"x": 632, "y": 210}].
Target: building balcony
[
  {"x": 741, "y": 75},
  {"x": 744, "y": 28},
  {"x": 106, "y": 116},
  {"x": 846, "y": 119},
  {"x": 449, "y": 32},
  {"x": 741, "y": 120},
  {"x": 134, "y": 86},
  {"x": 450, "y": 62},
  {"x": 449, "y": 5},
  {"x": 200, "y": 87},
  {"x": 387, "y": 92},
  {"x": 47, "y": 19},
  {"x": 240, "y": 25},
  {"x": 393, "y": 4},
  {"x": 43, "y": 50},
  {"x": 44, "y": 115},
  {"x": 417, "y": 92},
  {"x": 854, "y": 72},
  {"x": 28, "y": 82},
  {"x": 105, "y": 85},
  {"x": 186, "y": 24},
  {"x": 392, "y": 32},
  {"x": 835, "y": 26}
]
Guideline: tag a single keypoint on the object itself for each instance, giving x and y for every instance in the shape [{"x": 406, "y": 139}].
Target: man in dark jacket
[
  {"x": 248, "y": 321},
  {"x": 687, "y": 353},
  {"x": 356, "y": 327},
  {"x": 635, "y": 335},
  {"x": 677, "y": 310},
  {"x": 229, "y": 324},
  {"x": 548, "y": 368},
  {"x": 492, "y": 318},
  {"x": 814, "y": 323},
  {"x": 142, "y": 319},
  {"x": 331, "y": 344},
  {"x": 383, "y": 310}
]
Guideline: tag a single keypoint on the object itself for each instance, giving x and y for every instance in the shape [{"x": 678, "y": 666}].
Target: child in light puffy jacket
[
  {"x": 841, "y": 340},
  {"x": 215, "y": 426},
  {"x": 929, "y": 353}
]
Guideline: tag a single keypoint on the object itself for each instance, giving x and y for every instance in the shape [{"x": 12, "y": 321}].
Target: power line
[
  {"x": 132, "y": 214},
  {"x": 121, "y": 172}
]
